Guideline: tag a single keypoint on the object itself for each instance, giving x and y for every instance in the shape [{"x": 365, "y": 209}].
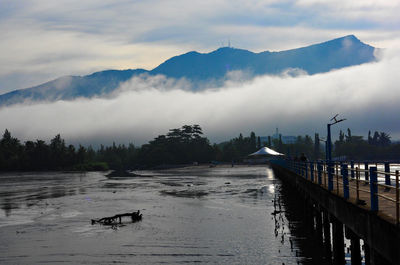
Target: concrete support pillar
[
  {"x": 355, "y": 251},
  {"x": 338, "y": 242},
  {"x": 327, "y": 235},
  {"x": 377, "y": 259},
  {"x": 309, "y": 215},
  {"x": 354, "y": 247},
  {"x": 367, "y": 255},
  {"x": 318, "y": 226}
]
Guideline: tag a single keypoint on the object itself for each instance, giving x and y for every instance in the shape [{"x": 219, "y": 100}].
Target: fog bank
[{"x": 143, "y": 108}]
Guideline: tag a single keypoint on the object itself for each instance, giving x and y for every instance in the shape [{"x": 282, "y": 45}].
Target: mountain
[{"x": 200, "y": 68}]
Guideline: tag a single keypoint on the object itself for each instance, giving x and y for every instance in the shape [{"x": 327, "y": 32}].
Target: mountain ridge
[{"x": 200, "y": 68}]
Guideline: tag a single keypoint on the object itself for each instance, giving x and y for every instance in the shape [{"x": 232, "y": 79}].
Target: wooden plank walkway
[{"x": 386, "y": 197}]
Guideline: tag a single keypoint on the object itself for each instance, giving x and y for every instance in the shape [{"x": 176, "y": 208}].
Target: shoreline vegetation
[{"x": 185, "y": 146}]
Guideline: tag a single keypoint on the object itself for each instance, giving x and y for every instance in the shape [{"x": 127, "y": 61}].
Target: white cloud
[
  {"x": 367, "y": 95},
  {"x": 380, "y": 11}
]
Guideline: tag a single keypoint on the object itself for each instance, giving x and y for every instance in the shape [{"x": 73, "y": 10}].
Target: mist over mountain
[{"x": 203, "y": 68}]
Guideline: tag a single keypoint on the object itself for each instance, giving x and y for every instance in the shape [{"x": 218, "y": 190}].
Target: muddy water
[{"x": 193, "y": 215}]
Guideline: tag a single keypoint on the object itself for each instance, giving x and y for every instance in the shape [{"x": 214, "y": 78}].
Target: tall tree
[
  {"x": 375, "y": 138},
  {"x": 348, "y": 136},
  {"x": 369, "y": 137},
  {"x": 384, "y": 139},
  {"x": 341, "y": 136},
  {"x": 253, "y": 142},
  {"x": 258, "y": 142}
]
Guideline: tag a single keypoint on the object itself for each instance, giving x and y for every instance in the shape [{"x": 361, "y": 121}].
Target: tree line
[
  {"x": 181, "y": 146},
  {"x": 377, "y": 146}
]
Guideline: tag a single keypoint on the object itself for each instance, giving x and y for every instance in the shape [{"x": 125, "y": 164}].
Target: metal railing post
[
  {"x": 312, "y": 171},
  {"x": 306, "y": 170},
  {"x": 299, "y": 168},
  {"x": 345, "y": 175},
  {"x": 374, "y": 188},
  {"x": 387, "y": 176},
  {"x": 366, "y": 171},
  {"x": 337, "y": 178},
  {"x": 352, "y": 169},
  {"x": 397, "y": 197},
  {"x": 330, "y": 176},
  {"x": 357, "y": 185},
  {"x": 319, "y": 168}
]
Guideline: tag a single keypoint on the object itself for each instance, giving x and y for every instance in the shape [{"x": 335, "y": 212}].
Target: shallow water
[{"x": 197, "y": 215}]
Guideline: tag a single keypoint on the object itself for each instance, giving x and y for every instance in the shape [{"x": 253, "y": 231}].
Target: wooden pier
[{"x": 364, "y": 198}]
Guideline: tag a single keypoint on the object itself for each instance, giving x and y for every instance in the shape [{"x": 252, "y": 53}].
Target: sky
[{"x": 43, "y": 39}]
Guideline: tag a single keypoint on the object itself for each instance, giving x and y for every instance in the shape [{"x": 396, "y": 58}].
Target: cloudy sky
[{"x": 45, "y": 39}]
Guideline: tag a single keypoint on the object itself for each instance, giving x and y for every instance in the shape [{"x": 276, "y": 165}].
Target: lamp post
[
  {"x": 329, "y": 151},
  {"x": 326, "y": 147}
]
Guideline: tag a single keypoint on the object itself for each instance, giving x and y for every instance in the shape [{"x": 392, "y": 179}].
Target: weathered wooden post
[
  {"x": 345, "y": 177},
  {"x": 374, "y": 189},
  {"x": 387, "y": 176},
  {"x": 352, "y": 169}
]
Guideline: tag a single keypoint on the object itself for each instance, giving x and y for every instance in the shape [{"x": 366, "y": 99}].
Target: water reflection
[
  {"x": 303, "y": 239},
  {"x": 7, "y": 205},
  {"x": 29, "y": 189},
  {"x": 222, "y": 215}
]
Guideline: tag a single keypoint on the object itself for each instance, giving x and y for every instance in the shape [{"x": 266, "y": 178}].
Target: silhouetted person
[{"x": 303, "y": 157}]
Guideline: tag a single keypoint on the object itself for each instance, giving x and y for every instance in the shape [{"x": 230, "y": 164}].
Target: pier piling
[{"x": 338, "y": 242}]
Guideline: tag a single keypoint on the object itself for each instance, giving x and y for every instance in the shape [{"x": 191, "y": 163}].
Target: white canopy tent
[{"x": 266, "y": 151}]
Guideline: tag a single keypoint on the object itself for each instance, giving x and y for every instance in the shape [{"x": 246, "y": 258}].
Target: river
[{"x": 202, "y": 215}]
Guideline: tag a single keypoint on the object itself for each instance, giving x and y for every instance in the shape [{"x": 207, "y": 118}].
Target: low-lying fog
[{"x": 142, "y": 108}]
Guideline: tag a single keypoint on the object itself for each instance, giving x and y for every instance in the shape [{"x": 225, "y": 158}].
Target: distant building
[{"x": 286, "y": 139}]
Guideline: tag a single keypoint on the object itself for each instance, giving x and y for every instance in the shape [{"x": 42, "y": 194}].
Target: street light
[
  {"x": 329, "y": 141},
  {"x": 326, "y": 146},
  {"x": 329, "y": 151}
]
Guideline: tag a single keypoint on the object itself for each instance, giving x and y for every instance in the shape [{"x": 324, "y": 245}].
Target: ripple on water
[
  {"x": 70, "y": 214},
  {"x": 185, "y": 193}
]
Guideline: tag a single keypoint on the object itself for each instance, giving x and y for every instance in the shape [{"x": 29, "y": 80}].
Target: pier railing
[{"x": 374, "y": 186}]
